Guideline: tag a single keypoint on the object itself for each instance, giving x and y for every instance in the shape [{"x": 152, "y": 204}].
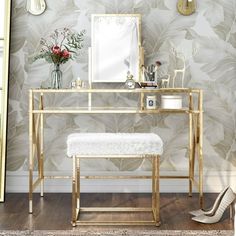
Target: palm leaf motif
[
  {"x": 19, "y": 28},
  {"x": 122, "y": 6},
  {"x": 213, "y": 68},
  {"x": 219, "y": 102},
  {"x": 225, "y": 28},
  {"x": 161, "y": 26}
]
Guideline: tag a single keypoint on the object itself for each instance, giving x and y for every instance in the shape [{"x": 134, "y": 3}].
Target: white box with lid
[{"x": 171, "y": 102}]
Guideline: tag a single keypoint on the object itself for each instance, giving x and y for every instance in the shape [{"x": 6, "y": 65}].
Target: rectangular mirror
[
  {"x": 4, "y": 68},
  {"x": 116, "y": 45}
]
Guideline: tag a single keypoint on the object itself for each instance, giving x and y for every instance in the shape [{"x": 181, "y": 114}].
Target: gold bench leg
[
  {"x": 78, "y": 188},
  {"x": 157, "y": 189},
  {"x": 74, "y": 191},
  {"x": 153, "y": 188}
]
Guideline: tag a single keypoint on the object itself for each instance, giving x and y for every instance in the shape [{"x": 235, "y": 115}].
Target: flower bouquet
[{"x": 61, "y": 46}]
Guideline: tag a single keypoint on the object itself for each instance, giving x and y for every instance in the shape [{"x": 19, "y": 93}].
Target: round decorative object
[
  {"x": 186, "y": 7},
  {"x": 130, "y": 83}
]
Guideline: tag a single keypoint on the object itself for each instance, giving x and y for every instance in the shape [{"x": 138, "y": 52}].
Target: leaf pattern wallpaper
[{"x": 206, "y": 38}]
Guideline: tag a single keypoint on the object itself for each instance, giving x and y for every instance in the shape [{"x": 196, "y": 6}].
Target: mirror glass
[
  {"x": 1, "y": 77},
  {"x": 115, "y": 47},
  {"x": 4, "y": 66}
]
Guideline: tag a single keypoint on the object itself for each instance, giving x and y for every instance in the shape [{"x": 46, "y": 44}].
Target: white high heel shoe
[
  {"x": 228, "y": 199},
  {"x": 213, "y": 209}
]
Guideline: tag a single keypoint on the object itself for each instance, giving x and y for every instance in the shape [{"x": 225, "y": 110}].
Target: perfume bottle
[{"x": 129, "y": 83}]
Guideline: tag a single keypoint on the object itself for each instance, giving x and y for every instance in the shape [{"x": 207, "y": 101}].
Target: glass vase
[{"x": 56, "y": 77}]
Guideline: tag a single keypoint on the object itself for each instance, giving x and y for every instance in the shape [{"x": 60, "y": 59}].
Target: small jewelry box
[{"x": 171, "y": 102}]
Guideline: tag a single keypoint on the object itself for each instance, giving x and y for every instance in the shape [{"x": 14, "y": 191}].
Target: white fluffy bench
[{"x": 115, "y": 145}]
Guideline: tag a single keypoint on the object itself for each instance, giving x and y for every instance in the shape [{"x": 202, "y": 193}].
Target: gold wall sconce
[
  {"x": 186, "y": 7},
  {"x": 36, "y": 7}
]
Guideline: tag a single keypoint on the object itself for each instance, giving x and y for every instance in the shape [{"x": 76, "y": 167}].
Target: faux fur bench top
[{"x": 114, "y": 144}]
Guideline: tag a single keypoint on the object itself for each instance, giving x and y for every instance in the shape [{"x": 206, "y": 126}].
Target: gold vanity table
[{"x": 38, "y": 110}]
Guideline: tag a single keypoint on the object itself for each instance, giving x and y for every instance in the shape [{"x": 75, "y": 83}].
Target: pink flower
[
  {"x": 65, "y": 54},
  {"x": 56, "y": 50}
]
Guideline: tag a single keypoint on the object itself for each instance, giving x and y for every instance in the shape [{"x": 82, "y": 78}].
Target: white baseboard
[{"x": 214, "y": 181}]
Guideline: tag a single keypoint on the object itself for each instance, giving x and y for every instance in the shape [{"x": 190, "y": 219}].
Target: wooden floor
[{"x": 53, "y": 212}]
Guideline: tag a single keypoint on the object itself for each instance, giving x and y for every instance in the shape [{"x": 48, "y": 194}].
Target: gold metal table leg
[
  {"x": 74, "y": 194},
  {"x": 41, "y": 163},
  {"x": 200, "y": 130},
  {"x": 30, "y": 152},
  {"x": 194, "y": 145},
  {"x": 190, "y": 144}
]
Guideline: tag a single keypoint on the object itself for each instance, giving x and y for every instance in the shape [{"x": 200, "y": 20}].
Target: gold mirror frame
[{"x": 4, "y": 98}]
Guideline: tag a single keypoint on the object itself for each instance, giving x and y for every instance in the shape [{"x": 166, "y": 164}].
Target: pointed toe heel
[
  {"x": 227, "y": 200},
  {"x": 198, "y": 212},
  {"x": 214, "y": 207}
]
